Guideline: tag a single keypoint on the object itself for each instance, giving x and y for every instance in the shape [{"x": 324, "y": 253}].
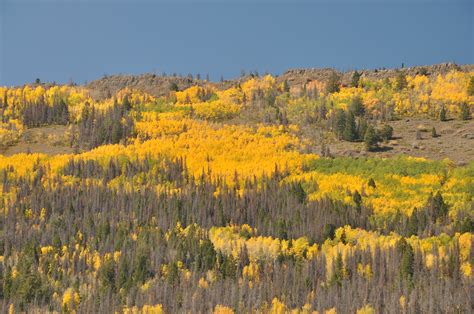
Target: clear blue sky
[{"x": 83, "y": 40}]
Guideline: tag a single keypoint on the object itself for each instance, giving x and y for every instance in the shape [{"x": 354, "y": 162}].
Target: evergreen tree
[
  {"x": 370, "y": 139},
  {"x": 357, "y": 107},
  {"x": 323, "y": 111},
  {"x": 350, "y": 130},
  {"x": 340, "y": 122},
  {"x": 332, "y": 85},
  {"x": 338, "y": 271},
  {"x": 401, "y": 81},
  {"x": 286, "y": 87},
  {"x": 173, "y": 87},
  {"x": 470, "y": 87},
  {"x": 438, "y": 206},
  {"x": 371, "y": 183},
  {"x": 465, "y": 113},
  {"x": 126, "y": 103},
  {"x": 386, "y": 132},
  {"x": 361, "y": 128},
  {"x": 407, "y": 259},
  {"x": 355, "y": 79},
  {"x": 329, "y": 231},
  {"x": 357, "y": 200},
  {"x": 442, "y": 114}
]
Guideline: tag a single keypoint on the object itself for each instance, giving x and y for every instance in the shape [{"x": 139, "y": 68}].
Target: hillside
[
  {"x": 311, "y": 191},
  {"x": 158, "y": 85}
]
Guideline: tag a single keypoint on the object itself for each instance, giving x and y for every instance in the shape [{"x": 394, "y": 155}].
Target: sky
[{"x": 82, "y": 40}]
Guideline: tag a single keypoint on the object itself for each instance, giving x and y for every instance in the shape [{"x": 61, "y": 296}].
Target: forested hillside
[{"x": 309, "y": 192}]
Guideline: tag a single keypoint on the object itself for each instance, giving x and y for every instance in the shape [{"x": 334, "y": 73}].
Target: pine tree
[
  {"x": 371, "y": 183},
  {"x": 442, "y": 114},
  {"x": 340, "y": 122},
  {"x": 370, "y": 139},
  {"x": 323, "y": 111},
  {"x": 338, "y": 270},
  {"x": 386, "y": 132},
  {"x": 332, "y": 85},
  {"x": 173, "y": 87},
  {"x": 465, "y": 113},
  {"x": 357, "y": 106},
  {"x": 357, "y": 200},
  {"x": 407, "y": 259},
  {"x": 361, "y": 128},
  {"x": 470, "y": 88},
  {"x": 401, "y": 81},
  {"x": 350, "y": 130},
  {"x": 329, "y": 231},
  {"x": 126, "y": 103},
  {"x": 286, "y": 87},
  {"x": 355, "y": 79}
]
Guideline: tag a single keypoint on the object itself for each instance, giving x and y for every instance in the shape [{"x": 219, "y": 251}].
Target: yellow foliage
[
  {"x": 367, "y": 309},
  {"x": 251, "y": 271},
  {"x": 70, "y": 300},
  {"x": 402, "y": 302},
  {"x": 221, "y": 309},
  {"x": 146, "y": 309},
  {"x": 203, "y": 283},
  {"x": 278, "y": 307}
]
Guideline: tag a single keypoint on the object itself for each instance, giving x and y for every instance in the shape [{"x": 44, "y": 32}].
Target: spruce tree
[
  {"x": 340, "y": 122},
  {"x": 470, "y": 87},
  {"x": 332, "y": 86},
  {"x": 370, "y": 139},
  {"x": 286, "y": 87},
  {"x": 407, "y": 259},
  {"x": 465, "y": 113},
  {"x": 357, "y": 107},
  {"x": 401, "y": 81},
  {"x": 371, "y": 183},
  {"x": 355, "y": 79},
  {"x": 361, "y": 128},
  {"x": 350, "y": 131},
  {"x": 386, "y": 132},
  {"x": 442, "y": 114}
]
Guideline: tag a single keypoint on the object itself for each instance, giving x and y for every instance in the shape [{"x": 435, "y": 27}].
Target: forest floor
[
  {"x": 455, "y": 141},
  {"x": 51, "y": 140}
]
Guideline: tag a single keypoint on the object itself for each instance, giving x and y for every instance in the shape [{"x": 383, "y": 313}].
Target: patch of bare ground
[
  {"x": 51, "y": 140},
  {"x": 454, "y": 140}
]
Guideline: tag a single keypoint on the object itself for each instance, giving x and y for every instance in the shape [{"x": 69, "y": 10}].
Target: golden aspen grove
[{"x": 315, "y": 191}]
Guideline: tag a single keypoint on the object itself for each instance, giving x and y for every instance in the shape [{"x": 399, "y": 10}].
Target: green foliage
[
  {"x": 355, "y": 79},
  {"x": 407, "y": 257},
  {"x": 298, "y": 191},
  {"x": 465, "y": 112},
  {"x": 371, "y": 183},
  {"x": 385, "y": 133},
  {"x": 470, "y": 88},
  {"x": 401, "y": 81},
  {"x": 442, "y": 114},
  {"x": 350, "y": 130},
  {"x": 370, "y": 138},
  {"x": 338, "y": 271},
  {"x": 333, "y": 83},
  {"x": 173, "y": 87},
  {"x": 286, "y": 87},
  {"x": 357, "y": 107}
]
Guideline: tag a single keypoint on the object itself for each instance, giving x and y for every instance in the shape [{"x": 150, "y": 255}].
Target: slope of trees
[{"x": 213, "y": 200}]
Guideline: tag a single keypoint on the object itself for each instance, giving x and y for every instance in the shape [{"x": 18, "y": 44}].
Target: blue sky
[{"x": 83, "y": 40}]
